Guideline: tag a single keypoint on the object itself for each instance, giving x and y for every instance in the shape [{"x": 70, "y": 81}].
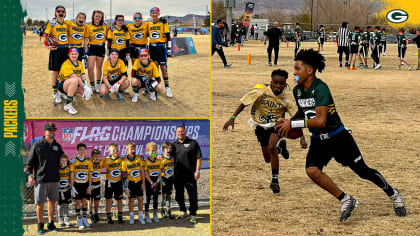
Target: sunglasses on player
[
  {"x": 137, "y": 18},
  {"x": 61, "y": 11},
  {"x": 144, "y": 55}
]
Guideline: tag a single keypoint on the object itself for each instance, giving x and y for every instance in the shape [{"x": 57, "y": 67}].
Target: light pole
[
  {"x": 110, "y": 12},
  {"x": 312, "y": 14},
  {"x": 73, "y": 9},
  {"x": 46, "y": 14}
]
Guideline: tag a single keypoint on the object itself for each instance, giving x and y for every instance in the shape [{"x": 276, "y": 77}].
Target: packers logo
[
  {"x": 115, "y": 173},
  {"x": 397, "y": 16},
  {"x": 154, "y": 173},
  {"x": 154, "y": 35},
  {"x": 62, "y": 37},
  {"x": 169, "y": 171},
  {"x": 114, "y": 76},
  {"x": 135, "y": 173},
  {"x": 96, "y": 174},
  {"x": 63, "y": 183},
  {"x": 309, "y": 114},
  {"x": 99, "y": 36},
  {"x": 138, "y": 35},
  {"x": 119, "y": 41},
  {"x": 77, "y": 36},
  {"x": 82, "y": 175}
]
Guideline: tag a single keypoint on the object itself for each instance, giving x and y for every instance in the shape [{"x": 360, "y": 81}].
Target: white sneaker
[
  {"x": 384, "y": 54},
  {"x": 348, "y": 205},
  {"x": 399, "y": 205},
  {"x": 126, "y": 91},
  {"x": 155, "y": 217},
  {"x": 85, "y": 222},
  {"x": 70, "y": 109},
  {"x": 142, "y": 220},
  {"x": 97, "y": 88},
  {"x": 131, "y": 220},
  {"x": 64, "y": 96},
  {"x": 57, "y": 97},
  {"x": 147, "y": 218},
  {"x": 67, "y": 222},
  {"x": 410, "y": 67},
  {"x": 61, "y": 222},
  {"x": 80, "y": 223},
  {"x": 168, "y": 92},
  {"x": 153, "y": 96},
  {"x": 135, "y": 97},
  {"x": 377, "y": 67}
]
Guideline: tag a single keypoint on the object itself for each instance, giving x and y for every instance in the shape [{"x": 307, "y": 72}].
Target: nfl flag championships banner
[{"x": 249, "y": 9}]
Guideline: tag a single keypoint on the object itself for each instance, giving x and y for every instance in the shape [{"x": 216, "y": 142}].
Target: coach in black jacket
[
  {"x": 188, "y": 157},
  {"x": 43, "y": 173}
]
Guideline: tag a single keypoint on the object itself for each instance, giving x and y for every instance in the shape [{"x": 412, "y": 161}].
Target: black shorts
[
  {"x": 57, "y": 58},
  {"x": 135, "y": 189},
  {"x": 158, "y": 54},
  {"x": 64, "y": 197},
  {"x": 122, "y": 54},
  {"x": 149, "y": 190},
  {"x": 60, "y": 87},
  {"x": 342, "y": 49},
  {"x": 263, "y": 135},
  {"x": 341, "y": 146},
  {"x": 321, "y": 41},
  {"x": 364, "y": 51},
  {"x": 354, "y": 49},
  {"x": 135, "y": 49},
  {"x": 112, "y": 82},
  {"x": 81, "y": 189},
  {"x": 96, "y": 191},
  {"x": 96, "y": 50},
  {"x": 169, "y": 183},
  {"x": 401, "y": 52},
  {"x": 115, "y": 189}
]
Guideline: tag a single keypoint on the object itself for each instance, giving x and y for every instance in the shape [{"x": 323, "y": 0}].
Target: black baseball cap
[{"x": 50, "y": 126}]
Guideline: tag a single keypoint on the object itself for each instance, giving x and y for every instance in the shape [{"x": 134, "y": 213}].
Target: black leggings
[{"x": 276, "y": 52}]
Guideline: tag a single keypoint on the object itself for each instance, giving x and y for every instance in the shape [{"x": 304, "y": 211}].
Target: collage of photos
[{"x": 210, "y": 117}]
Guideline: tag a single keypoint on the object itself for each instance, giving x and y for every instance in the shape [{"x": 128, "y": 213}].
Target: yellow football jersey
[
  {"x": 153, "y": 167},
  {"x": 96, "y": 34},
  {"x": 113, "y": 168},
  {"x": 119, "y": 38},
  {"x": 138, "y": 34},
  {"x": 96, "y": 173},
  {"x": 76, "y": 33},
  {"x": 168, "y": 165},
  {"x": 267, "y": 107},
  {"x": 133, "y": 167},
  {"x": 68, "y": 68},
  {"x": 157, "y": 32},
  {"x": 150, "y": 70},
  {"x": 64, "y": 177},
  {"x": 59, "y": 31},
  {"x": 114, "y": 72},
  {"x": 81, "y": 170}
]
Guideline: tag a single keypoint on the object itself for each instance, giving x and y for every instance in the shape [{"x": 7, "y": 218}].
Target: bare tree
[
  {"x": 280, "y": 15},
  {"x": 218, "y": 10}
]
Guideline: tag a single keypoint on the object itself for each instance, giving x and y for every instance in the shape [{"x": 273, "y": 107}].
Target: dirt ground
[
  {"x": 188, "y": 78},
  {"x": 382, "y": 109}
]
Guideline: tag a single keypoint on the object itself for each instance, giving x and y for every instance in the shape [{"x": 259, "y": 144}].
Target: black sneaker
[
  {"x": 347, "y": 64},
  {"x": 341, "y": 65},
  {"x": 281, "y": 149},
  {"x": 51, "y": 227},
  {"x": 92, "y": 218},
  {"x": 228, "y": 66},
  {"x": 40, "y": 230},
  {"x": 269, "y": 63},
  {"x": 120, "y": 220},
  {"x": 109, "y": 220},
  {"x": 275, "y": 185},
  {"x": 169, "y": 214},
  {"x": 399, "y": 205},
  {"x": 96, "y": 217},
  {"x": 163, "y": 213},
  {"x": 348, "y": 205}
]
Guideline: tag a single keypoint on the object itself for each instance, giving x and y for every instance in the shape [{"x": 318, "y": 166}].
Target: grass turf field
[{"x": 383, "y": 111}]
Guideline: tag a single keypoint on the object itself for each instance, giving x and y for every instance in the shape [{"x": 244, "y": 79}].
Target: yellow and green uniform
[
  {"x": 68, "y": 68},
  {"x": 114, "y": 72},
  {"x": 168, "y": 165},
  {"x": 150, "y": 70},
  {"x": 118, "y": 38},
  {"x": 133, "y": 167},
  {"x": 96, "y": 172},
  {"x": 64, "y": 174},
  {"x": 266, "y": 106},
  {"x": 96, "y": 34},
  {"x": 76, "y": 34},
  {"x": 59, "y": 31},
  {"x": 157, "y": 32},
  {"x": 138, "y": 34},
  {"x": 113, "y": 168},
  {"x": 153, "y": 167},
  {"x": 81, "y": 170}
]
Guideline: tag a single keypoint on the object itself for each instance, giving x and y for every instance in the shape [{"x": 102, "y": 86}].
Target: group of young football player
[{"x": 145, "y": 44}]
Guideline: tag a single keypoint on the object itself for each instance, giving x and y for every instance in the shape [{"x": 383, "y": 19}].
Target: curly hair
[
  {"x": 311, "y": 58},
  {"x": 280, "y": 72}
]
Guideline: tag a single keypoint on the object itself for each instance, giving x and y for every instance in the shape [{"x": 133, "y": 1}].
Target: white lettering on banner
[{"x": 308, "y": 102}]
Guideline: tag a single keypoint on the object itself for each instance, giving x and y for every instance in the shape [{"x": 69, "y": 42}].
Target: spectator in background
[
  {"x": 217, "y": 43},
  {"x": 256, "y": 28},
  {"x": 252, "y": 31},
  {"x": 225, "y": 35},
  {"x": 175, "y": 32},
  {"x": 233, "y": 34},
  {"x": 343, "y": 43},
  {"x": 273, "y": 35},
  {"x": 417, "y": 40}
]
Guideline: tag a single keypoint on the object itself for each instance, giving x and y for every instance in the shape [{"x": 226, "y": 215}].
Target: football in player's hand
[
  {"x": 293, "y": 133},
  {"x": 51, "y": 41}
]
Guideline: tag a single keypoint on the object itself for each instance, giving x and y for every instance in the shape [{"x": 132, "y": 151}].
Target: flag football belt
[
  {"x": 81, "y": 181},
  {"x": 138, "y": 45},
  {"x": 97, "y": 44},
  {"x": 75, "y": 45},
  {"x": 96, "y": 186},
  {"x": 62, "y": 46},
  {"x": 330, "y": 134},
  {"x": 156, "y": 44},
  {"x": 112, "y": 181}
]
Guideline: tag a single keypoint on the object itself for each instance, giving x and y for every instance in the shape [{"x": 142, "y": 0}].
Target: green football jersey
[
  {"x": 402, "y": 41},
  {"x": 321, "y": 33},
  {"x": 299, "y": 32},
  {"x": 383, "y": 37},
  {"x": 317, "y": 95},
  {"x": 354, "y": 38},
  {"x": 364, "y": 39},
  {"x": 377, "y": 38}
]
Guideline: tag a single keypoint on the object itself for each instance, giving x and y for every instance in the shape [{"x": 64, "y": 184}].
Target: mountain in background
[{"x": 262, "y": 6}]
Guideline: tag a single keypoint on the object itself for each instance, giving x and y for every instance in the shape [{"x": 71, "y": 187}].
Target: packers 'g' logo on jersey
[
  {"x": 120, "y": 41},
  {"x": 99, "y": 36},
  {"x": 154, "y": 173},
  {"x": 135, "y": 173},
  {"x": 154, "y": 35},
  {"x": 309, "y": 114},
  {"x": 96, "y": 174},
  {"x": 62, "y": 37},
  {"x": 82, "y": 175},
  {"x": 169, "y": 171},
  {"x": 63, "y": 183},
  {"x": 115, "y": 173},
  {"x": 138, "y": 35},
  {"x": 77, "y": 36},
  {"x": 113, "y": 76}
]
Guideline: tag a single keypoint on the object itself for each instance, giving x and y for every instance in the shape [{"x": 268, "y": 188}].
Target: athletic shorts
[
  {"x": 60, "y": 87},
  {"x": 44, "y": 191},
  {"x": 321, "y": 41},
  {"x": 263, "y": 135},
  {"x": 364, "y": 51},
  {"x": 57, "y": 58},
  {"x": 158, "y": 54},
  {"x": 401, "y": 52},
  {"x": 112, "y": 82},
  {"x": 81, "y": 189},
  {"x": 149, "y": 190},
  {"x": 135, "y": 189},
  {"x": 115, "y": 189},
  {"x": 96, "y": 191},
  {"x": 135, "y": 49},
  {"x": 340, "y": 146},
  {"x": 122, "y": 54},
  {"x": 97, "y": 50},
  {"x": 354, "y": 49},
  {"x": 64, "y": 197},
  {"x": 344, "y": 49},
  {"x": 169, "y": 183}
]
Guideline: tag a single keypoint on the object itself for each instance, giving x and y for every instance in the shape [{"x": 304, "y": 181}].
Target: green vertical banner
[{"x": 12, "y": 109}]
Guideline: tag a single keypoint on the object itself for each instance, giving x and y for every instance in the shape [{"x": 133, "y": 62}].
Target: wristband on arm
[{"x": 298, "y": 124}]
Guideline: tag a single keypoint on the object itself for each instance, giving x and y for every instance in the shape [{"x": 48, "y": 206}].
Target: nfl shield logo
[{"x": 67, "y": 134}]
